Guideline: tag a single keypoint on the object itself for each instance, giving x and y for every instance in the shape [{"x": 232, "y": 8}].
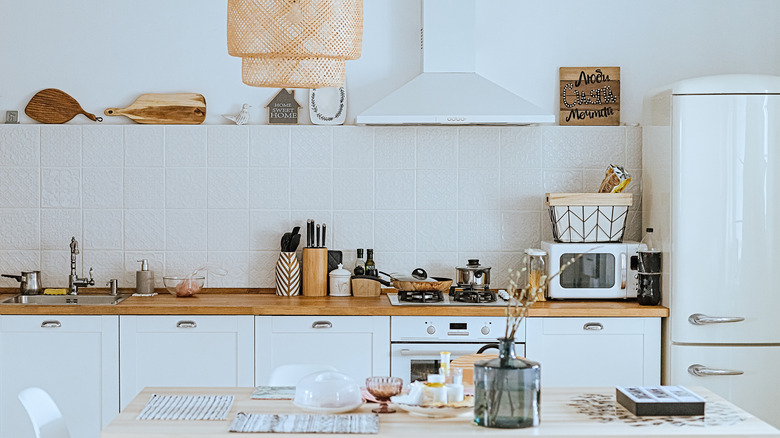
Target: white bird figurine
[{"x": 242, "y": 117}]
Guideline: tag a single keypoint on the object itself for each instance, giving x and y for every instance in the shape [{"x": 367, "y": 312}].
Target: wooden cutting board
[
  {"x": 159, "y": 109},
  {"x": 55, "y": 106}
]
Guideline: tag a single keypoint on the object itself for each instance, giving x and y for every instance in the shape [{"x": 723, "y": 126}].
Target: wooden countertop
[
  {"x": 566, "y": 412},
  {"x": 254, "y": 303}
]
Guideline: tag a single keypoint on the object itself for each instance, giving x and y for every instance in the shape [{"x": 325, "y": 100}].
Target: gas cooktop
[{"x": 446, "y": 301}]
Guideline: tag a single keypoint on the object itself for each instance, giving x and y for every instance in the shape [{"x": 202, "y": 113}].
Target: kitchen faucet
[{"x": 74, "y": 281}]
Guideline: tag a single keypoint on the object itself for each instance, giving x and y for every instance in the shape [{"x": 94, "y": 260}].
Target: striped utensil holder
[{"x": 288, "y": 275}]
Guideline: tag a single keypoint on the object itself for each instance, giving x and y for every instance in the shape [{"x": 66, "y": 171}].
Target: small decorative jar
[{"x": 340, "y": 282}]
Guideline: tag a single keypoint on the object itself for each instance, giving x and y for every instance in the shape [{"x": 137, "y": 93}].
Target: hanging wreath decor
[{"x": 294, "y": 43}]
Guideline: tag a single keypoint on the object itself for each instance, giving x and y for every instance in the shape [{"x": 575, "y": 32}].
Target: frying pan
[{"x": 405, "y": 283}]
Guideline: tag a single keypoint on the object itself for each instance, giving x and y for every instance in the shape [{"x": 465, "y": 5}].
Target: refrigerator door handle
[
  {"x": 701, "y": 319},
  {"x": 702, "y": 371}
]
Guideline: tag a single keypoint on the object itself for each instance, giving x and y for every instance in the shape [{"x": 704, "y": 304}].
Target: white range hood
[{"x": 449, "y": 91}]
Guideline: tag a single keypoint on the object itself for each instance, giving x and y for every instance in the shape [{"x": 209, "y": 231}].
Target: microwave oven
[{"x": 600, "y": 270}]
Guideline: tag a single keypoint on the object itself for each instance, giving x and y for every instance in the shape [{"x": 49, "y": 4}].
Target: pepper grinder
[{"x": 144, "y": 279}]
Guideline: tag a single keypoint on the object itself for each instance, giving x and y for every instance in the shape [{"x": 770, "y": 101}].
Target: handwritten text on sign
[{"x": 590, "y": 96}]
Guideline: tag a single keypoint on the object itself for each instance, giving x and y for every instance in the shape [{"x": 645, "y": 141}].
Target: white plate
[
  {"x": 326, "y": 411},
  {"x": 431, "y": 411}
]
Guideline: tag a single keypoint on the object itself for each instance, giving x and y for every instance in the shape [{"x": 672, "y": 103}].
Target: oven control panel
[{"x": 449, "y": 328}]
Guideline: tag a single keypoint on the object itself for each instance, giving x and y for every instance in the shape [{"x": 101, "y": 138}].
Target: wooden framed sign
[
  {"x": 283, "y": 108},
  {"x": 589, "y": 96}
]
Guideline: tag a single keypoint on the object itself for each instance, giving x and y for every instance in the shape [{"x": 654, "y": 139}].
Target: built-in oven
[{"x": 416, "y": 342}]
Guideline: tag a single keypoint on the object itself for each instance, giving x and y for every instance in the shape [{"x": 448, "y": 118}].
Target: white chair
[
  {"x": 290, "y": 375},
  {"x": 44, "y": 414}
]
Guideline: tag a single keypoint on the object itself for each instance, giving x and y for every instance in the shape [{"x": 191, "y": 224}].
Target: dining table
[{"x": 565, "y": 412}]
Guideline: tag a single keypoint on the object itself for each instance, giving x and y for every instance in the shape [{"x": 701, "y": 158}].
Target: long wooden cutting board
[{"x": 159, "y": 109}]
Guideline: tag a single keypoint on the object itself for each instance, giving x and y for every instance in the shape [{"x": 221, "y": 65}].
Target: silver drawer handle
[
  {"x": 433, "y": 353},
  {"x": 593, "y": 326},
  {"x": 701, "y": 319},
  {"x": 321, "y": 325},
  {"x": 186, "y": 324},
  {"x": 53, "y": 323},
  {"x": 702, "y": 371}
]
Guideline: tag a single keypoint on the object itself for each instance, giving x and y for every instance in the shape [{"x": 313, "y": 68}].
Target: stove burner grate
[
  {"x": 469, "y": 294},
  {"x": 434, "y": 296}
]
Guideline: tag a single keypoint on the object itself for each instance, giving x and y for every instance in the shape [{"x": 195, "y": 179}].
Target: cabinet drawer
[
  {"x": 319, "y": 324},
  {"x": 589, "y": 326},
  {"x": 59, "y": 323},
  {"x": 192, "y": 323}
]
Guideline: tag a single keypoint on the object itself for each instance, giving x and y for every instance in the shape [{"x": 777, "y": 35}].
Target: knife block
[{"x": 315, "y": 272}]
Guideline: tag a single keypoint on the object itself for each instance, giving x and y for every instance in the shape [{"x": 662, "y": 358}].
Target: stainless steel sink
[{"x": 94, "y": 300}]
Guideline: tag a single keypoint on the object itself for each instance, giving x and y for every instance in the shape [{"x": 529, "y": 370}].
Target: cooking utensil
[
  {"x": 158, "y": 109},
  {"x": 30, "y": 282},
  {"x": 286, "y": 242},
  {"x": 317, "y": 244},
  {"x": 473, "y": 274},
  {"x": 323, "y": 235},
  {"x": 410, "y": 283},
  {"x": 294, "y": 241},
  {"x": 55, "y": 106}
]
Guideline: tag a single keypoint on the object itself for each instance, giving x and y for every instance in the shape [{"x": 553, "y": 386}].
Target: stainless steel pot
[
  {"x": 30, "y": 282},
  {"x": 473, "y": 274}
]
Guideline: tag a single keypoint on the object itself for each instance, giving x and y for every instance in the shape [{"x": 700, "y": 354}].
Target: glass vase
[{"x": 507, "y": 390}]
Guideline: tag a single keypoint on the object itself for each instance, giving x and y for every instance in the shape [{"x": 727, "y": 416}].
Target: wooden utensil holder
[{"x": 315, "y": 272}]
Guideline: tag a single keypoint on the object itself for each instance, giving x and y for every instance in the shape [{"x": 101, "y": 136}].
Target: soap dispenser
[{"x": 144, "y": 279}]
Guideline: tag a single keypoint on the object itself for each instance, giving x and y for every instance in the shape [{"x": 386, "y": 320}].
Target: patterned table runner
[
  {"x": 187, "y": 407},
  {"x": 305, "y": 423}
]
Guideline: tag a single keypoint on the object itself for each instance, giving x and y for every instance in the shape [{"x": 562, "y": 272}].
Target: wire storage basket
[
  {"x": 588, "y": 217},
  {"x": 294, "y": 43}
]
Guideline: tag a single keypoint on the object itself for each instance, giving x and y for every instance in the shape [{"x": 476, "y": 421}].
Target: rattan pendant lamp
[{"x": 294, "y": 43}]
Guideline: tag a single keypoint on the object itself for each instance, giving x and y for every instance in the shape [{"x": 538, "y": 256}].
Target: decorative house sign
[
  {"x": 589, "y": 96},
  {"x": 283, "y": 108}
]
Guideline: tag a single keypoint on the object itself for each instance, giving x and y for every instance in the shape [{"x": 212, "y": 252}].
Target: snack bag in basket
[{"x": 615, "y": 180}]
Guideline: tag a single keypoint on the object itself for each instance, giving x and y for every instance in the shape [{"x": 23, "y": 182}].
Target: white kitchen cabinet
[
  {"x": 185, "y": 351},
  {"x": 737, "y": 373},
  {"x": 596, "y": 351},
  {"x": 358, "y": 346},
  {"x": 73, "y": 358}
]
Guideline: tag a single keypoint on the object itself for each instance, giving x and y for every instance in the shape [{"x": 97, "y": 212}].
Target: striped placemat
[
  {"x": 305, "y": 423},
  {"x": 186, "y": 407}
]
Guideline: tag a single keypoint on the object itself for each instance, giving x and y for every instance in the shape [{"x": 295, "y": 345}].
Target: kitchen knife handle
[
  {"x": 702, "y": 371},
  {"x": 701, "y": 319}
]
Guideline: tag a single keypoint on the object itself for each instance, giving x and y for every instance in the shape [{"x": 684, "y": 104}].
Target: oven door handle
[{"x": 434, "y": 353}]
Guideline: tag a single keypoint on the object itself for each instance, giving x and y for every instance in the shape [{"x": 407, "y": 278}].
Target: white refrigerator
[{"x": 711, "y": 190}]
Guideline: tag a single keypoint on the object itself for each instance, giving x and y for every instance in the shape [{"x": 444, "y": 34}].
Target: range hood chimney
[{"x": 449, "y": 91}]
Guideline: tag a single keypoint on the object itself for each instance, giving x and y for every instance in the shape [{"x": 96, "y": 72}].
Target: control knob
[
  {"x": 431, "y": 329},
  {"x": 485, "y": 330}
]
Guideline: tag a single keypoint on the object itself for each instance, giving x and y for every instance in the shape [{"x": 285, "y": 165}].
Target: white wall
[{"x": 106, "y": 53}]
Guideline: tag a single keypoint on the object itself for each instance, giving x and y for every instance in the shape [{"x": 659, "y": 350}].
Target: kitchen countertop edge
[{"x": 269, "y": 304}]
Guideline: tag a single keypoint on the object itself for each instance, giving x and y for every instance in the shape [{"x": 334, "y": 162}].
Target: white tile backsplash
[
  {"x": 60, "y": 146},
  {"x": 61, "y": 188},
  {"x": 183, "y": 196},
  {"x": 20, "y": 187},
  {"x": 144, "y": 146}
]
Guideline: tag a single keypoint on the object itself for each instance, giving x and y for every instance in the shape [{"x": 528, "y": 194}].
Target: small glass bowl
[
  {"x": 184, "y": 286},
  {"x": 382, "y": 388}
]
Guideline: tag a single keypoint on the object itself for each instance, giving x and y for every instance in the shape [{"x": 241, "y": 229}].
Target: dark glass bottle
[
  {"x": 360, "y": 263},
  {"x": 370, "y": 265}
]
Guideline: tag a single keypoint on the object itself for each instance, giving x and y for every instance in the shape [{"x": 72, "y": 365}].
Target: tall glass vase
[{"x": 507, "y": 390}]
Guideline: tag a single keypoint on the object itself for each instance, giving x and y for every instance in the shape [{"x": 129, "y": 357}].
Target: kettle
[{"x": 30, "y": 282}]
